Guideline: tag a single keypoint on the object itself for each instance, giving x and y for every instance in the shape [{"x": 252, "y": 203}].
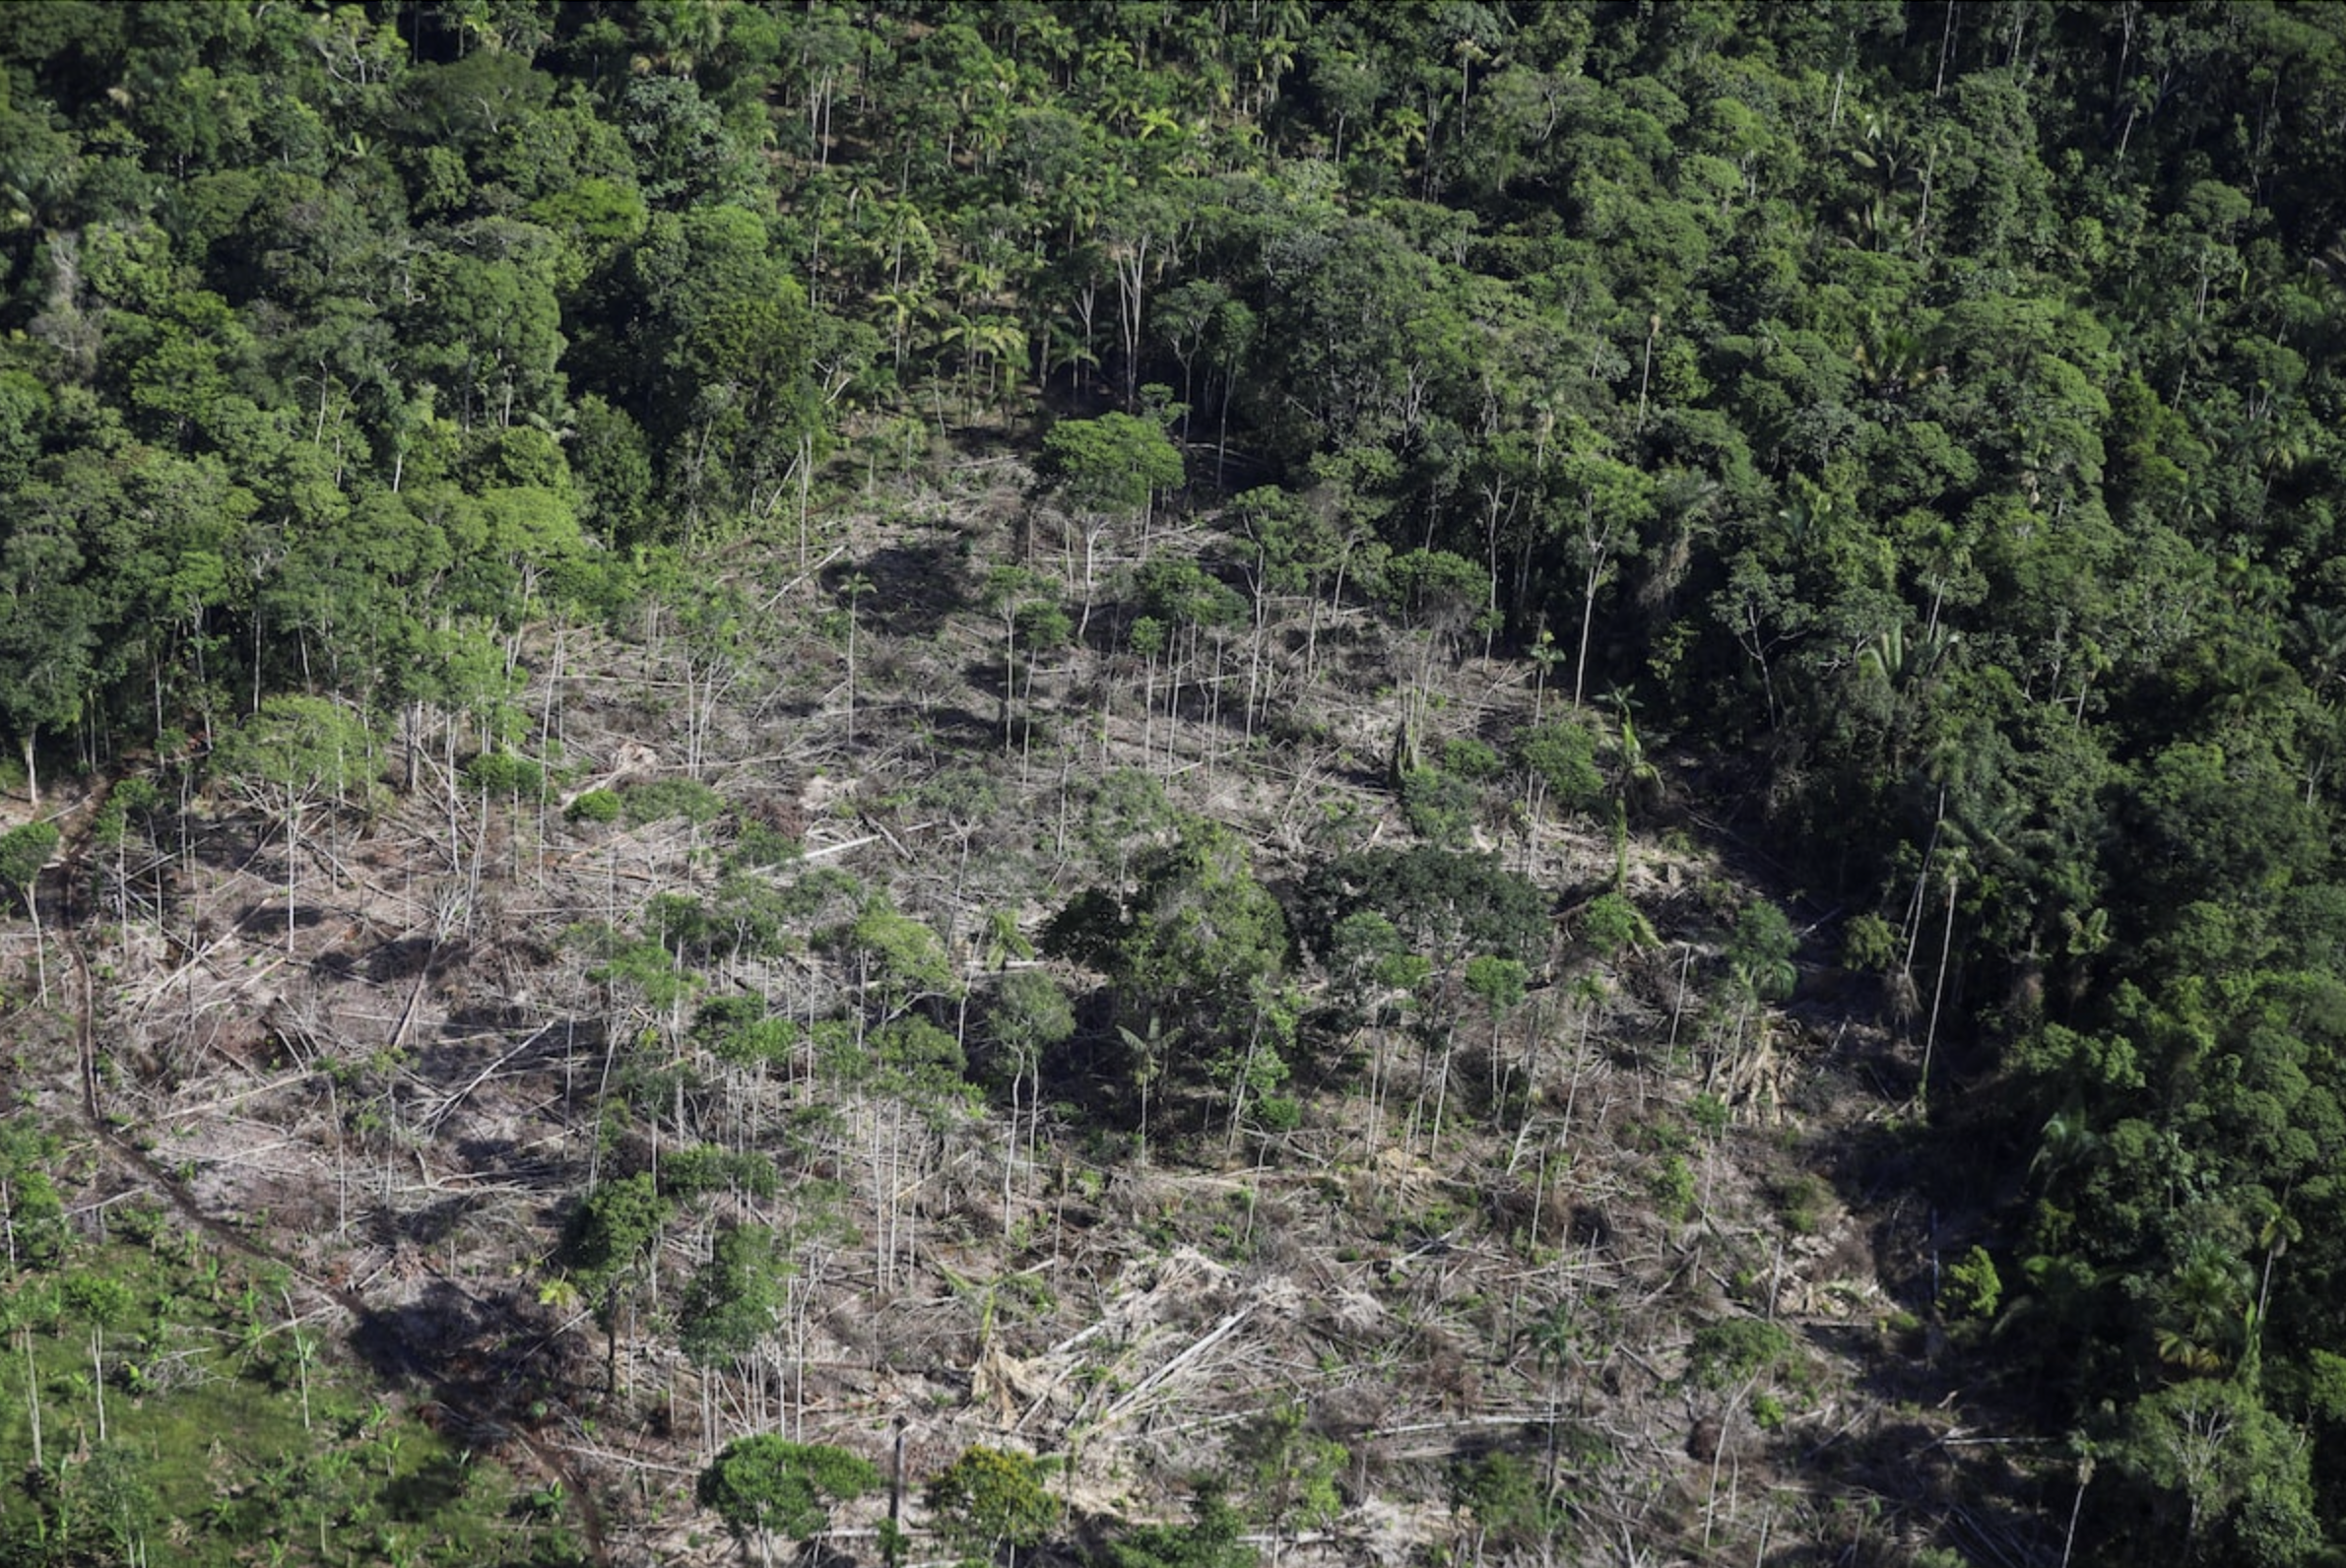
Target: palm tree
[
  {"x": 899, "y": 306},
  {"x": 1148, "y": 1063},
  {"x": 2207, "y": 1300},
  {"x": 1555, "y": 1346}
]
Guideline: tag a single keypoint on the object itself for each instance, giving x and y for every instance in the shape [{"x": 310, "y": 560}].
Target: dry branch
[
  {"x": 431, "y": 1125},
  {"x": 1163, "y": 1374}
]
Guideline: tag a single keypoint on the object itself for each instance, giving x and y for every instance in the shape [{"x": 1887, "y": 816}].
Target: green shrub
[
  {"x": 595, "y": 806},
  {"x": 766, "y": 1483},
  {"x": 1436, "y": 899},
  {"x": 1674, "y": 1189},
  {"x": 737, "y": 1031},
  {"x": 1562, "y": 755},
  {"x": 1507, "y": 1497},
  {"x": 502, "y": 774},
  {"x": 1868, "y": 943},
  {"x": 1439, "y": 807},
  {"x": 1760, "y": 949},
  {"x": 990, "y": 1498},
  {"x": 1735, "y": 1348},
  {"x": 1210, "y": 1541},
  {"x": 1710, "y": 1114},
  {"x": 1291, "y": 1471},
  {"x": 1611, "y": 925},
  {"x": 1971, "y": 1288},
  {"x": 1471, "y": 760},
  {"x": 1803, "y": 1201},
  {"x": 756, "y": 846},
  {"x": 687, "y": 1173},
  {"x": 662, "y": 799}
]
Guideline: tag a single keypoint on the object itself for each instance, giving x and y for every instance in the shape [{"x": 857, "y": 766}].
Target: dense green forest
[{"x": 1896, "y": 446}]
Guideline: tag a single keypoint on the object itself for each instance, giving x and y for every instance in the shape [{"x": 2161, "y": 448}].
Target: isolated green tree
[
  {"x": 1200, "y": 941},
  {"x": 1760, "y": 948},
  {"x": 295, "y": 755},
  {"x": 105, "y": 1303},
  {"x": 24, "y": 851},
  {"x": 992, "y": 1501},
  {"x": 899, "y": 962},
  {"x": 1030, "y": 1014},
  {"x": 1559, "y": 765},
  {"x": 1109, "y": 471},
  {"x": 2215, "y": 1473},
  {"x": 614, "y": 1238},
  {"x": 764, "y": 1485},
  {"x": 733, "y": 1301},
  {"x": 1211, "y": 1540}
]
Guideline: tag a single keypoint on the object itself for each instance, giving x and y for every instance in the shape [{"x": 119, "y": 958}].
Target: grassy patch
[{"x": 231, "y": 1435}]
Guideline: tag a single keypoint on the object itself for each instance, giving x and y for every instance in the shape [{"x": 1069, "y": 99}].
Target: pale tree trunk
[
  {"x": 1130, "y": 267},
  {"x": 293, "y": 848},
  {"x": 1939, "y": 989},
  {"x": 32, "y": 1396},
  {"x": 1442, "y": 1085},
  {"x": 1599, "y": 547},
  {"x": 40, "y": 944},
  {"x": 97, "y": 1378}
]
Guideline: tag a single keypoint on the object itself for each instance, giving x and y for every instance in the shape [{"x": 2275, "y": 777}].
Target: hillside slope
[
  {"x": 724, "y": 718},
  {"x": 1627, "y": 1256}
]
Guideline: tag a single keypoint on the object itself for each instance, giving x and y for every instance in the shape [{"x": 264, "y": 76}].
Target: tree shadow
[
  {"x": 1089, "y": 1072},
  {"x": 260, "y": 920},
  {"x": 913, "y": 588},
  {"x": 474, "y": 1039},
  {"x": 507, "y": 1160},
  {"x": 337, "y": 967},
  {"x": 427, "y": 1226},
  {"x": 423, "y": 1493},
  {"x": 1987, "y": 1508},
  {"x": 401, "y": 959},
  {"x": 486, "y": 1358},
  {"x": 482, "y": 1017},
  {"x": 954, "y": 730},
  {"x": 225, "y": 845}
]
